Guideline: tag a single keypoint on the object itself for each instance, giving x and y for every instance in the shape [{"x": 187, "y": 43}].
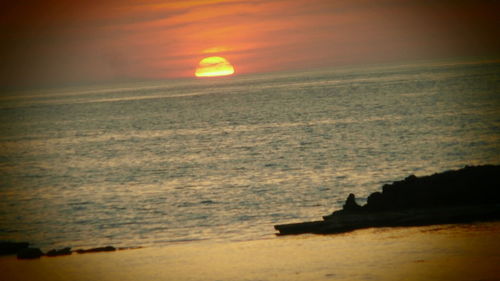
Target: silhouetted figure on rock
[{"x": 350, "y": 204}]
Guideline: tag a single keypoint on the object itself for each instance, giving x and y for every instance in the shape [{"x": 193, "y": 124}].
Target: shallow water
[{"x": 224, "y": 159}]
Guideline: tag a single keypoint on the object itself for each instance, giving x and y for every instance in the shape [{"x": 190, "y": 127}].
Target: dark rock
[
  {"x": 29, "y": 253},
  {"x": 11, "y": 248},
  {"x": 466, "y": 195},
  {"x": 376, "y": 202},
  {"x": 61, "y": 252},
  {"x": 130, "y": 248},
  {"x": 468, "y": 186},
  {"x": 96, "y": 250}
]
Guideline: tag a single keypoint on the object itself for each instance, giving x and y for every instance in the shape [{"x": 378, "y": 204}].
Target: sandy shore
[{"x": 444, "y": 252}]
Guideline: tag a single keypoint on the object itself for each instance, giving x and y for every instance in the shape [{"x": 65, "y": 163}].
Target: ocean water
[{"x": 154, "y": 163}]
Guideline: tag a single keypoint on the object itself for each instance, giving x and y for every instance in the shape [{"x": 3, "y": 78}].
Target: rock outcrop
[
  {"x": 23, "y": 251},
  {"x": 61, "y": 252},
  {"x": 29, "y": 253},
  {"x": 12, "y": 248},
  {"x": 465, "y": 195},
  {"x": 97, "y": 250}
]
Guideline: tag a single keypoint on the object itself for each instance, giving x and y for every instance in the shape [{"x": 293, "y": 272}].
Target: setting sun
[{"x": 214, "y": 66}]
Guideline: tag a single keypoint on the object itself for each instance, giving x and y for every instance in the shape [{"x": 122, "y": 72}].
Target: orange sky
[{"x": 56, "y": 42}]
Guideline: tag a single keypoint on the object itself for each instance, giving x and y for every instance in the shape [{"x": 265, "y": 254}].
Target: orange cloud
[{"x": 78, "y": 41}]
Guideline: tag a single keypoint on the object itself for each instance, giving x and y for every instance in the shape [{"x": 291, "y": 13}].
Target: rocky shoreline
[
  {"x": 23, "y": 251},
  {"x": 460, "y": 196}
]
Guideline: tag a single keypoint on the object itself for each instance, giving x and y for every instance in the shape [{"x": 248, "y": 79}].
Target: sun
[{"x": 213, "y": 67}]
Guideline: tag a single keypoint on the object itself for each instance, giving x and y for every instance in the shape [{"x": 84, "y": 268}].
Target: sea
[{"x": 145, "y": 164}]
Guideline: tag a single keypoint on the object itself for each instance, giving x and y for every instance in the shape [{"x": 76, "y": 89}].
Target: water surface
[{"x": 153, "y": 163}]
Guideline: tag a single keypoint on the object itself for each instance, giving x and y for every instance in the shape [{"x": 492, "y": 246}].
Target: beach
[{"x": 439, "y": 252}]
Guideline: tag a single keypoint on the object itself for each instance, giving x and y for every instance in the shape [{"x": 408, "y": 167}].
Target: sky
[{"x": 61, "y": 42}]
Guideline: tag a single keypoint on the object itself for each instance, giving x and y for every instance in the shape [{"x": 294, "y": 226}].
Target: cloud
[{"x": 54, "y": 41}]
